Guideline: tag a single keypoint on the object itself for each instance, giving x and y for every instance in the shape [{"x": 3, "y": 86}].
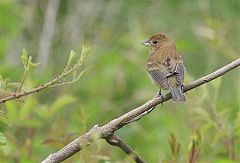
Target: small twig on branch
[
  {"x": 116, "y": 141},
  {"x": 108, "y": 130},
  {"x": 39, "y": 88},
  {"x": 57, "y": 81}
]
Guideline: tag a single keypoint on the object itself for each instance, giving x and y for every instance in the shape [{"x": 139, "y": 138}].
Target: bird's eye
[{"x": 155, "y": 42}]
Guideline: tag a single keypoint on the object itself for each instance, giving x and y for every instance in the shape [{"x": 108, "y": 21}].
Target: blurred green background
[{"x": 206, "y": 33}]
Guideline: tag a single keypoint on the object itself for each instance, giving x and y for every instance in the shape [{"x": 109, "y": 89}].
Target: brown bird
[{"x": 165, "y": 66}]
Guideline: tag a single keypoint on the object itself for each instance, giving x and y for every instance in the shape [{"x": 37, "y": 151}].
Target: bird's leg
[
  {"x": 160, "y": 92},
  {"x": 159, "y": 95},
  {"x": 182, "y": 86}
]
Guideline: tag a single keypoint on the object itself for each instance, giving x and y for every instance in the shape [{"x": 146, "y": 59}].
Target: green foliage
[
  {"x": 6, "y": 86},
  {"x": 194, "y": 147},
  {"x": 27, "y": 64},
  {"x": 25, "y": 112},
  {"x": 236, "y": 132},
  {"x": 72, "y": 56},
  {"x": 207, "y": 37},
  {"x": 27, "y": 61}
]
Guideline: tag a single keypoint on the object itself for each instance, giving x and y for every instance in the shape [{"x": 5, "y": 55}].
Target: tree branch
[
  {"x": 52, "y": 83},
  {"x": 34, "y": 90},
  {"x": 108, "y": 130},
  {"x": 116, "y": 141}
]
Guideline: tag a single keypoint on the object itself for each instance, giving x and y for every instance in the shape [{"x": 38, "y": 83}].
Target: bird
[{"x": 165, "y": 66}]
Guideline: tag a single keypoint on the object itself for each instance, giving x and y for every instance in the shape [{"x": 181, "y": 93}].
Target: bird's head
[{"x": 156, "y": 41}]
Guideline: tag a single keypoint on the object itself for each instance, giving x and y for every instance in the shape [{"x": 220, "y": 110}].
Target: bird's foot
[
  {"x": 182, "y": 87},
  {"x": 159, "y": 96}
]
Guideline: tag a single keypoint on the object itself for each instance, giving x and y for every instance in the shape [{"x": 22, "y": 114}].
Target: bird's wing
[
  {"x": 165, "y": 63},
  {"x": 159, "y": 75}
]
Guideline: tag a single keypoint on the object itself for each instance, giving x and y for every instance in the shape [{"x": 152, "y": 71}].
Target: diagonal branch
[
  {"x": 107, "y": 130},
  {"x": 116, "y": 141}
]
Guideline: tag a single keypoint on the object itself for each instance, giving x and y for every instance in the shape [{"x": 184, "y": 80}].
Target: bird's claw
[
  {"x": 159, "y": 96},
  {"x": 182, "y": 87}
]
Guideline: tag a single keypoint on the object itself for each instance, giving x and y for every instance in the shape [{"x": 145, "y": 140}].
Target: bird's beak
[{"x": 146, "y": 43}]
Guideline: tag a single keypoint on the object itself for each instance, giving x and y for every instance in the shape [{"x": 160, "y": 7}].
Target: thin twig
[
  {"x": 114, "y": 125},
  {"x": 12, "y": 96},
  {"x": 116, "y": 141}
]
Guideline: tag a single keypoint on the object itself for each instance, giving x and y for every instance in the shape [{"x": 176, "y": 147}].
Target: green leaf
[
  {"x": 195, "y": 141},
  {"x": 24, "y": 57},
  {"x": 197, "y": 138},
  {"x": 172, "y": 143},
  {"x": 12, "y": 85},
  {"x": 71, "y": 58},
  {"x": 3, "y": 140},
  {"x": 29, "y": 62},
  {"x": 84, "y": 53},
  {"x": 33, "y": 65}
]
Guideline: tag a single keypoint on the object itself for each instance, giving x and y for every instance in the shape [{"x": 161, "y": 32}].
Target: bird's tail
[{"x": 177, "y": 94}]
